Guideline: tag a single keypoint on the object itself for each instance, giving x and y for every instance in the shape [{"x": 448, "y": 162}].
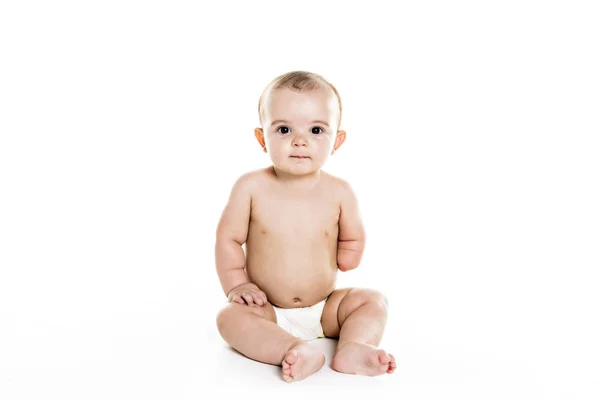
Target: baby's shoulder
[
  {"x": 254, "y": 180},
  {"x": 246, "y": 184},
  {"x": 336, "y": 183},
  {"x": 252, "y": 177}
]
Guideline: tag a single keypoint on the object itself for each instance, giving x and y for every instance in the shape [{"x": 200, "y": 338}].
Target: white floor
[
  {"x": 173, "y": 351},
  {"x": 425, "y": 371}
]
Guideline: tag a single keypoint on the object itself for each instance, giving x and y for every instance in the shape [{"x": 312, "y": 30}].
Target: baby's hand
[{"x": 249, "y": 293}]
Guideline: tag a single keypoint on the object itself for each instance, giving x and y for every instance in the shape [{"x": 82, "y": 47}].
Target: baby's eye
[
  {"x": 287, "y": 130},
  {"x": 318, "y": 129}
]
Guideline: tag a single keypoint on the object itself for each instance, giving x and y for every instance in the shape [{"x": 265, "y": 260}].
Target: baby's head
[{"x": 300, "y": 114}]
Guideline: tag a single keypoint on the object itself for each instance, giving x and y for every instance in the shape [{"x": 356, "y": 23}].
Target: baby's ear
[
  {"x": 339, "y": 139},
  {"x": 258, "y": 132}
]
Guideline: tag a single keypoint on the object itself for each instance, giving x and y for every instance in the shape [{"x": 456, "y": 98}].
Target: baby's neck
[{"x": 301, "y": 182}]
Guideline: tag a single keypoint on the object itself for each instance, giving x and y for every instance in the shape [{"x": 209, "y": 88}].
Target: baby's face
[{"x": 300, "y": 129}]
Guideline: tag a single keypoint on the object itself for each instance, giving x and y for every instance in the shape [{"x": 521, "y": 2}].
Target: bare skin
[
  {"x": 291, "y": 262},
  {"x": 301, "y": 361},
  {"x": 293, "y": 259}
]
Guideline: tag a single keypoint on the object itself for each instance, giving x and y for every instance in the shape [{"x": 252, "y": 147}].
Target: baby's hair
[{"x": 301, "y": 81}]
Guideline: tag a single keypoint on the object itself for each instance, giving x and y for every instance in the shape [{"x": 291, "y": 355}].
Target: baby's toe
[
  {"x": 379, "y": 361},
  {"x": 286, "y": 374},
  {"x": 291, "y": 357},
  {"x": 383, "y": 357},
  {"x": 392, "y": 365}
]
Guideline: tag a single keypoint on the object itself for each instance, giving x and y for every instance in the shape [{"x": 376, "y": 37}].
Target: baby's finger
[
  {"x": 257, "y": 298},
  {"x": 264, "y": 297},
  {"x": 248, "y": 298},
  {"x": 237, "y": 299}
]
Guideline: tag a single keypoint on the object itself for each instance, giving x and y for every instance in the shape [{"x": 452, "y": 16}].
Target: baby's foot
[
  {"x": 363, "y": 359},
  {"x": 301, "y": 361}
]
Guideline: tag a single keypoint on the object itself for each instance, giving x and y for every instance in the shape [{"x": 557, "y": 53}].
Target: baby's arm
[
  {"x": 351, "y": 236},
  {"x": 232, "y": 232}
]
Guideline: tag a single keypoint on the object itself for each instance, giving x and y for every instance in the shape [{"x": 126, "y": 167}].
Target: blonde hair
[{"x": 301, "y": 81}]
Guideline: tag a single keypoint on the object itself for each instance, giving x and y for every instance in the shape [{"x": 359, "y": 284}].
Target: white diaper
[{"x": 302, "y": 322}]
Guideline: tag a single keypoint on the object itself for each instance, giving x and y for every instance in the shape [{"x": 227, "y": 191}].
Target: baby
[{"x": 299, "y": 225}]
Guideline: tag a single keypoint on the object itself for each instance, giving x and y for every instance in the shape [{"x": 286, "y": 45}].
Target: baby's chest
[{"x": 295, "y": 216}]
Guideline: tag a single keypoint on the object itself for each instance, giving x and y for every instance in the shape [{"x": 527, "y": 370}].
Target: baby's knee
[
  {"x": 379, "y": 298},
  {"x": 373, "y": 297},
  {"x": 238, "y": 316},
  {"x": 226, "y": 317}
]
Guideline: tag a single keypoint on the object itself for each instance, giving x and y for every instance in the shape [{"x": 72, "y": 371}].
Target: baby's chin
[{"x": 306, "y": 168}]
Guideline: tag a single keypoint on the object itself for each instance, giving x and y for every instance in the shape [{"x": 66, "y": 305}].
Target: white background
[{"x": 473, "y": 142}]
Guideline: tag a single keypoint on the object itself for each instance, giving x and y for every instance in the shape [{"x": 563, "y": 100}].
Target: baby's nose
[{"x": 299, "y": 140}]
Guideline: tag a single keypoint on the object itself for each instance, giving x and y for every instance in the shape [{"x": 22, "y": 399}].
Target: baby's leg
[
  {"x": 358, "y": 317},
  {"x": 253, "y": 331}
]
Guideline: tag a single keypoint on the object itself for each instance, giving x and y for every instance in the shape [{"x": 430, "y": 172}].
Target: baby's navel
[{"x": 296, "y": 300}]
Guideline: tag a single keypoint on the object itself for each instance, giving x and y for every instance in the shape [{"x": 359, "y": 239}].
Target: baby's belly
[{"x": 292, "y": 276}]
